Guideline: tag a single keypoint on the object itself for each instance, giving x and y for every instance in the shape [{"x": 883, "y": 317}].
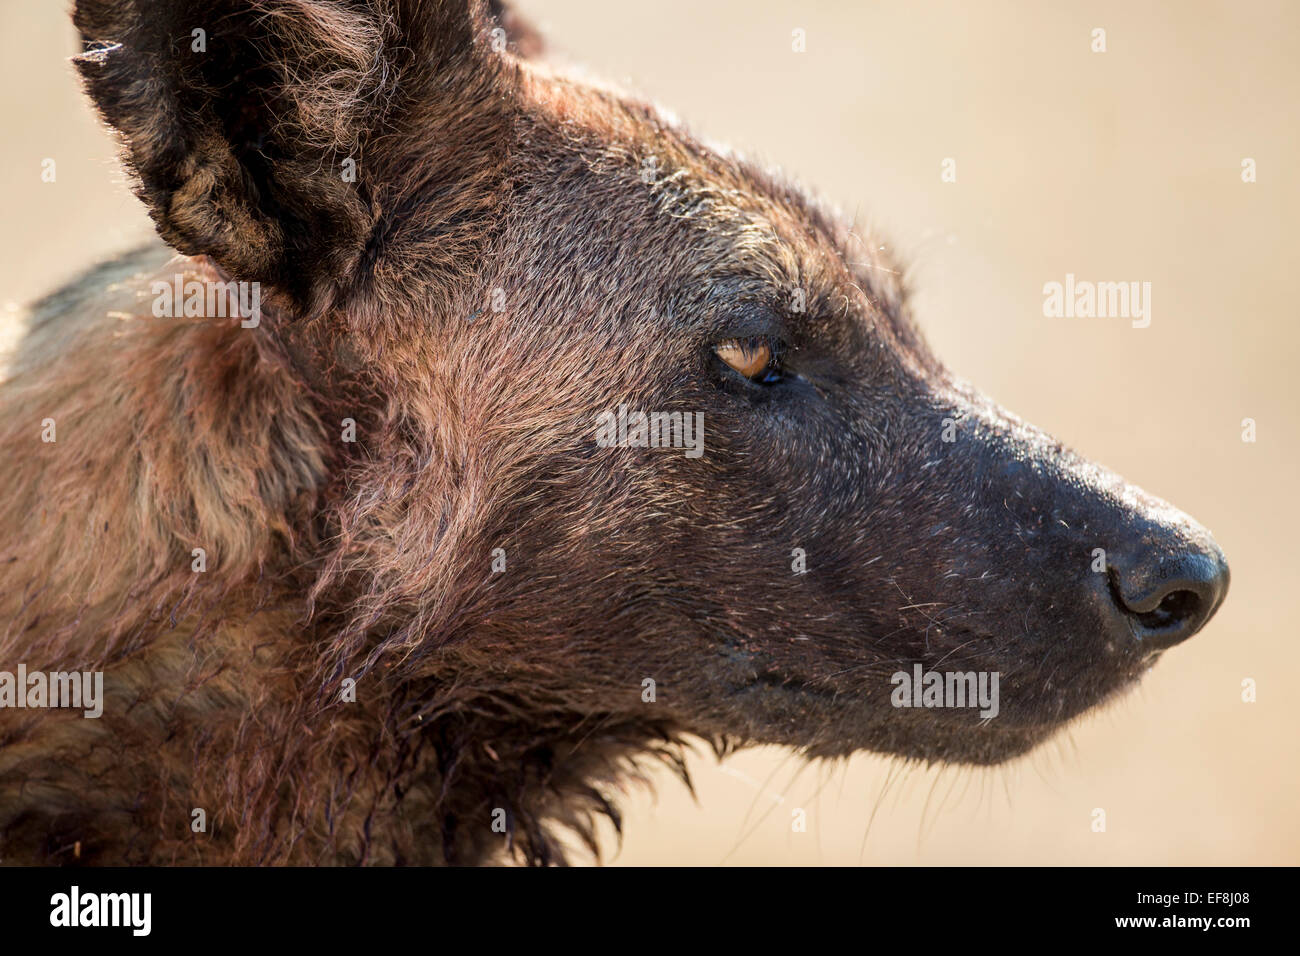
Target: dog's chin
[
  {"x": 946, "y": 736},
  {"x": 988, "y": 742},
  {"x": 981, "y": 744}
]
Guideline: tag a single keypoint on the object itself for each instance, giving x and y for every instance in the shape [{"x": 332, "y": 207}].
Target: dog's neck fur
[{"x": 426, "y": 765}]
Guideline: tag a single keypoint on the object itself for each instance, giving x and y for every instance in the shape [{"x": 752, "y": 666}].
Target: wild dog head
[{"x": 483, "y": 264}]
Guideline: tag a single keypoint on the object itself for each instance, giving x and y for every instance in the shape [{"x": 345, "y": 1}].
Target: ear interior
[{"x": 257, "y": 129}]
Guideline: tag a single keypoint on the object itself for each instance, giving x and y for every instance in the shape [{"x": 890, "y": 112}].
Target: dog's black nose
[{"x": 1168, "y": 594}]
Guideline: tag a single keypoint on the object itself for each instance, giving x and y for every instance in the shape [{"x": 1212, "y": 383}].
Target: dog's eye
[{"x": 753, "y": 358}]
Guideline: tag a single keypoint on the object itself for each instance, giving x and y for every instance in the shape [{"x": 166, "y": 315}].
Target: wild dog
[{"x": 362, "y": 582}]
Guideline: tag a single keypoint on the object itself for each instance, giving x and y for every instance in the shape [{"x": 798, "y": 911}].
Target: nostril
[
  {"x": 1169, "y": 597},
  {"x": 1173, "y": 609}
]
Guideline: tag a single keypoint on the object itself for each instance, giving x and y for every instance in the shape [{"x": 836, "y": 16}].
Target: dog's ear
[{"x": 286, "y": 139}]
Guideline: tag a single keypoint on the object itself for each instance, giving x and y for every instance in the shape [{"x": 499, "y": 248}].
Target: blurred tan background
[{"x": 1115, "y": 166}]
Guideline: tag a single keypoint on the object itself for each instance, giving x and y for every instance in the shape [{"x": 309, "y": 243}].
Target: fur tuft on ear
[{"x": 257, "y": 129}]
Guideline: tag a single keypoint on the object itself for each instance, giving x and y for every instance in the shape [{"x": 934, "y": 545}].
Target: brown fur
[{"x": 477, "y": 171}]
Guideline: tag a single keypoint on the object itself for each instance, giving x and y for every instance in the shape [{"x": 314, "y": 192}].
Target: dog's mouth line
[{"x": 771, "y": 679}]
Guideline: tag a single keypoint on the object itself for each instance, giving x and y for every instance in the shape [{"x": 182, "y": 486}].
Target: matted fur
[{"x": 482, "y": 180}]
